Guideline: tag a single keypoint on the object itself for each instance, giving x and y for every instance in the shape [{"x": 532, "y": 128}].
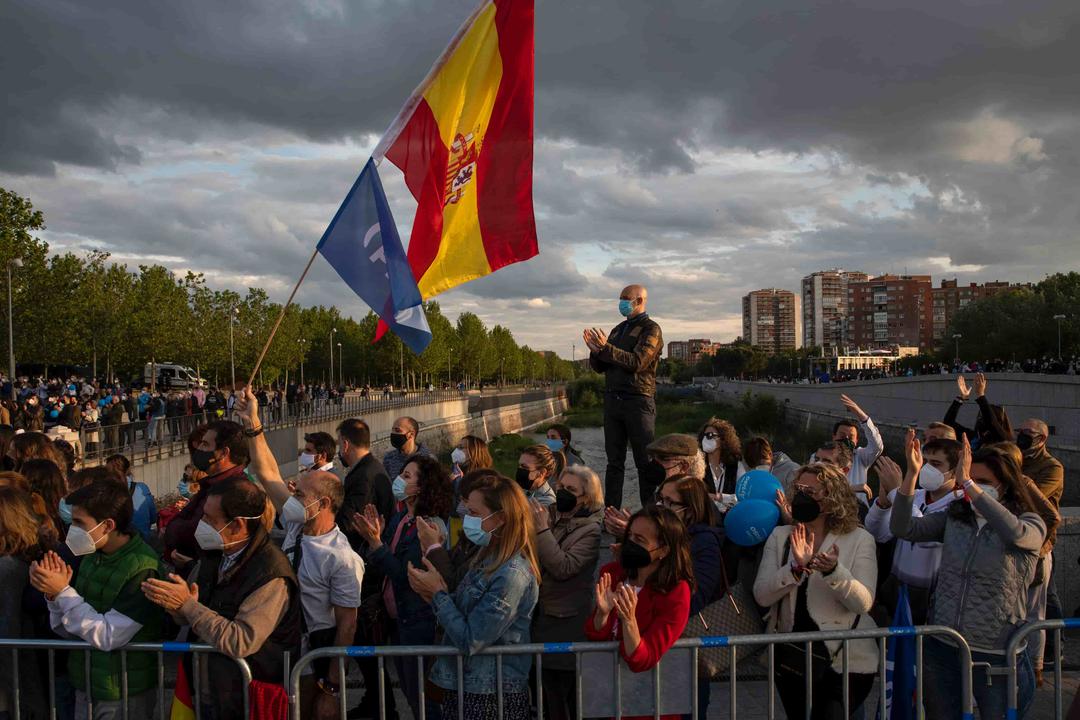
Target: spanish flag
[{"x": 464, "y": 141}]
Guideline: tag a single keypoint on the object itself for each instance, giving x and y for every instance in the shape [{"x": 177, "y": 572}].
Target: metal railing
[
  {"x": 1016, "y": 641},
  {"x": 166, "y": 436},
  {"x": 694, "y": 645},
  {"x": 51, "y": 646}
]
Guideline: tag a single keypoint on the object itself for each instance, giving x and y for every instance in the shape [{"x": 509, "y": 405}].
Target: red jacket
[{"x": 661, "y": 619}]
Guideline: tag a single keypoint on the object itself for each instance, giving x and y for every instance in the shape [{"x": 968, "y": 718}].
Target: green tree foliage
[{"x": 83, "y": 310}]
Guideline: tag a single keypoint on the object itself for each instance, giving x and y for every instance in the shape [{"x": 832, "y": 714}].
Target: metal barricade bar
[
  {"x": 1012, "y": 648},
  {"x": 694, "y": 644},
  {"x": 159, "y": 649}
]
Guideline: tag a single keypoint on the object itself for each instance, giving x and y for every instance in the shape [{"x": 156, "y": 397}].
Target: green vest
[{"x": 99, "y": 581}]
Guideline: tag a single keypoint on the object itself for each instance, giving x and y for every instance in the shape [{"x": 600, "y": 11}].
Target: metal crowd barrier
[
  {"x": 51, "y": 646},
  {"x": 171, "y": 432},
  {"x": 1018, "y": 639},
  {"x": 733, "y": 642}
]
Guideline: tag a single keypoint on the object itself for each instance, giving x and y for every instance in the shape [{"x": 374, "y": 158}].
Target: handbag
[{"x": 734, "y": 613}]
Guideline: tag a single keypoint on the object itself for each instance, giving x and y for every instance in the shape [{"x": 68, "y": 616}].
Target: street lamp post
[
  {"x": 301, "y": 342},
  {"x": 12, "y": 263},
  {"x": 234, "y": 313},
  {"x": 341, "y": 365},
  {"x": 1059, "y": 318},
  {"x": 449, "y": 380},
  {"x": 956, "y": 337},
  {"x": 330, "y": 378}
]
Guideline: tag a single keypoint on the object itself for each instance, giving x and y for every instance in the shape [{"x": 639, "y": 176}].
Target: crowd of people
[{"x": 409, "y": 550}]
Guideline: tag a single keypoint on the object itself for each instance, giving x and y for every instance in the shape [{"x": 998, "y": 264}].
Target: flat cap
[{"x": 674, "y": 445}]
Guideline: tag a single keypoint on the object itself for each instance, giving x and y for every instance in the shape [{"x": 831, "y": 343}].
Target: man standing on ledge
[{"x": 628, "y": 359}]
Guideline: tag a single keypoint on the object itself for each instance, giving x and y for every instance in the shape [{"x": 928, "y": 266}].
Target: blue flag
[
  {"x": 900, "y": 665},
  {"x": 363, "y": 245}
]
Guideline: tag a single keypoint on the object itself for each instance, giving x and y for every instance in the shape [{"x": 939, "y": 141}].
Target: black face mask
[
  {"x": 1024, "y": 441},
  {"x": 522, "y": 479},
  {"x": 202, "y": 459},
  {"x": 804, "y": 508},
  {"x": 653, "y": 475},
  {"x": 565, "y": 501},
  {"x": 398, "y": 440},
  {"x": 633, "y": 557}
]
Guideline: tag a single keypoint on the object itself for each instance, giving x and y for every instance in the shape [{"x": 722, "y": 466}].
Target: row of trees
[
  {"x": 83, "y": 310},
  {"x": 1020, "y": 323}
]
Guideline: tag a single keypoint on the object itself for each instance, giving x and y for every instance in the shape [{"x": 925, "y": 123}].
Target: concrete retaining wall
[
  {"x": 441, "y": 426},
  {"x": 1055, "y": 399}
]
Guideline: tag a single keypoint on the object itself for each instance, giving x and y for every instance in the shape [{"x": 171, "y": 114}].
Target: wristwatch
[
  {"x": 328, "y": 687},
  {"x": 253, "y": 432}
]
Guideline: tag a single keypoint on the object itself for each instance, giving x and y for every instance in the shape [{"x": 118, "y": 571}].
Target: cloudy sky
[{"x": 705, "y": 148}]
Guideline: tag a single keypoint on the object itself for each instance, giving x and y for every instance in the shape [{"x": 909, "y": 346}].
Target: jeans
[
  {"x": 627, "y": 418},
  {"x": 416, "y": 632},
  {"x": 941, "y": 683}
]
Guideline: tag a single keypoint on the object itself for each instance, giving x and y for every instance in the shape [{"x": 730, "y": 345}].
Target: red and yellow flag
[{"x": 464, "y": 141}]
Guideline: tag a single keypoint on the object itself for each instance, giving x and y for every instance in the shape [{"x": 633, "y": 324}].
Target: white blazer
[{"x": 833, "y": 601}]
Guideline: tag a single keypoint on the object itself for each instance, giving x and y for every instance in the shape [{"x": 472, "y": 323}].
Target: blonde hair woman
[
  {"x": 820, "y": 574},
  {"x": 492, "y": 605}
]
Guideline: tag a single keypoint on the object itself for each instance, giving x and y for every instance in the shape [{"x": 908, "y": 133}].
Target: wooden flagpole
[{"x": 281, "y": 316}]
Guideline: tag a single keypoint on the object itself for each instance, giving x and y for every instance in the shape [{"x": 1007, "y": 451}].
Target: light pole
[
  {"x": 956, "y": 337},
  {"x": 401, "y": 360},
  {"x": 302, "y": 342},
  {"x": 449, "y": 380},
  {"x": 341, "y": 365},
  {"x": 234, "y": 314},
  {"x": 12, "y": 263},
  {"x": 330, "y": 378},
  {"x": 1059, "y": 318}
]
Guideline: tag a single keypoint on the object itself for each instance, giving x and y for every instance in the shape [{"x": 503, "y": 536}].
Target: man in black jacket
[
  {"x": 366, "y": 483},
  {"x": 628, "y": 359}
]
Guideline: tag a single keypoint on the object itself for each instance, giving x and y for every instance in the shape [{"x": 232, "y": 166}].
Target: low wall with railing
[{"x": 443, "y": 420}]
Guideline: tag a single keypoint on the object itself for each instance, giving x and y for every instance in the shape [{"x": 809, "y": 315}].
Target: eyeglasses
[
  {"x": 670, "y": 504},
  {"x": 711, "y": 435}
]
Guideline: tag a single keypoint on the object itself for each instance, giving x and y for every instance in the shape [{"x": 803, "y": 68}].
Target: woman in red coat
[{"x": 643, "y": 599}]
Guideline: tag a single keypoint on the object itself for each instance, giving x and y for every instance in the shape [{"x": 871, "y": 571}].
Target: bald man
[{"x": 628, "y": 358}]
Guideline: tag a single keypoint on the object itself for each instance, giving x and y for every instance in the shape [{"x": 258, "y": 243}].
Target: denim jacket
[{"x": 487, "y": 610}]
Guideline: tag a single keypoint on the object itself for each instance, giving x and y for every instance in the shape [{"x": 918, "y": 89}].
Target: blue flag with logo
[
  {"x": 900, "y": 665},
  {"x": 363, "y": 245}
]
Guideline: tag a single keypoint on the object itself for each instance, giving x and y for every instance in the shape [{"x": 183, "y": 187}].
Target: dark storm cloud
[{"x": 709, "y": 147}]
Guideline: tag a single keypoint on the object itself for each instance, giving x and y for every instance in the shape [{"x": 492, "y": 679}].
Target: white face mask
[
  {"x": 307, "y": 460},
  {"x": 930, "y": 478},
  {"x": 458, "y": 456},
  {"x": 709, "y": 444},
  {"x": 210, "y": 539},
  {"x": 81, "y": 542},
  {"x": 293, "y": 511}
]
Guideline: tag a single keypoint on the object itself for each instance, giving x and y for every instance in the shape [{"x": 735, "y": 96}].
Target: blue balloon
[
  {"x": 750, "y": 522},
  {"x": 757, "y": 485}
]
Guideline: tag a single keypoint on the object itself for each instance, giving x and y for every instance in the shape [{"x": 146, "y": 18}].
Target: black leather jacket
[{"x": 630, "y": 357}]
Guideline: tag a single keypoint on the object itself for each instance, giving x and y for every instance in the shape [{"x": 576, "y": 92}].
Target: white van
[{"x": 170, "y": 375}]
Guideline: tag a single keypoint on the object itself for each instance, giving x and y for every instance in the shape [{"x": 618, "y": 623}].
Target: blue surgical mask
[
  {"x": 183, "y": 489},
  {"x": 554, "y": 445},
  {"x": 398, "y": 489},
  {"x": 65, "y": 511},
  {"x": 474, "y": 531},
  {"x": 626, "y": 307}
]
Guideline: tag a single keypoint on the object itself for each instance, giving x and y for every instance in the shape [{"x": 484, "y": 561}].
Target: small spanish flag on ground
[
  {"x": 464, "y": 141},
  {"x": 182, "y": 706}
]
